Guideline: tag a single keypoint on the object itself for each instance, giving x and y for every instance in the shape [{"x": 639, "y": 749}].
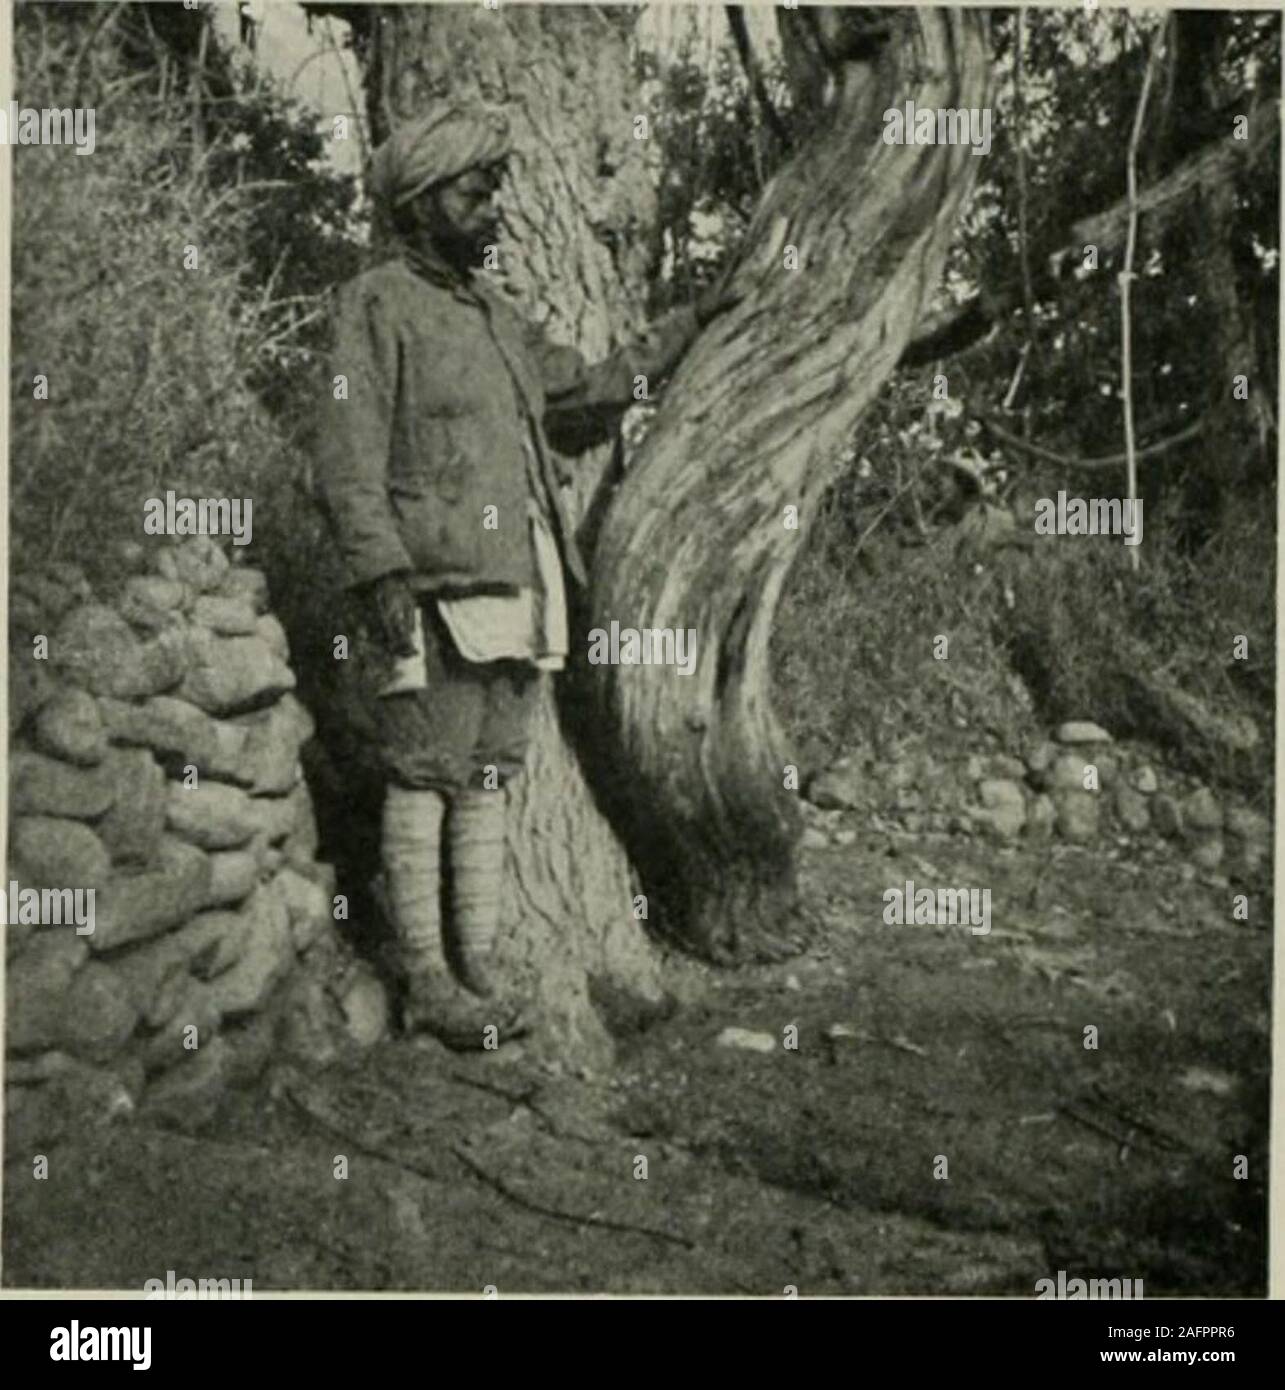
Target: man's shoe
[{"x": 459, "y": 1019}]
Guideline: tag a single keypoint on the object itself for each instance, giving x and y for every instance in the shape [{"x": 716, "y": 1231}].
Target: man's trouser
[
  {"x": 470, "y": 719},
  {"x": 449, "y": 750}
]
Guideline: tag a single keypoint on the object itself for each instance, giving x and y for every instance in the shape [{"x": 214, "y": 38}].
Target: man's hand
[
  {"x": 395, "y": 612},
  {"x": 718, "y": 299}
]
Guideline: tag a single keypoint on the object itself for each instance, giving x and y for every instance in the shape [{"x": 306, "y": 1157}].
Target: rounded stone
[
  {"x": 1082, "y": 731},
  {"x": 60, "y": 853},
  {"x": 69, "y": 727},
  {"x": 39, "y": 785},
  {"x": 1166, "y": 815},
  {"x": 1077, "y": 815},
  {"x": 1131, "y": 808},
  {"x": 834, "y": 790},
  {"x": 1068, "y": 772},
  {"x": 365, "y": 1006},
  {"x": 1041, "y": 818},
  {"x": 1144, "y": 780},
  {"x": 1201, "y": 811},
  {"x": 200, "y": 562},
  {"x": 100, "y": 1016},
  {"x": 1208, "y": 854},
  {"x": 1247, "y": 824},
  {"x": 1005, "y": 807}
]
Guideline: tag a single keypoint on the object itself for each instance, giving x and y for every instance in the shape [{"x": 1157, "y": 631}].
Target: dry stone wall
[
  {"x": 1077, "y": 785},
  {"x": 154, "y": 757}
]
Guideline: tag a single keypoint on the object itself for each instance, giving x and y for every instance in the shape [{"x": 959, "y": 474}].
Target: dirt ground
[{"x": 812, "y": 1167}]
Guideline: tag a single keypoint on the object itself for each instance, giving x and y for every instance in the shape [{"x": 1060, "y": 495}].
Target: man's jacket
[{"x": 443, "y": 379}]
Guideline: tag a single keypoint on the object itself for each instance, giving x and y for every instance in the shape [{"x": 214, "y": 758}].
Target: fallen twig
[
  {"x": 1113, "y": 1108},
  {"x": 496, "y": 1184},
  {"x": 1122, "y": 1139},
  {"x": 557, "y": 1214}
]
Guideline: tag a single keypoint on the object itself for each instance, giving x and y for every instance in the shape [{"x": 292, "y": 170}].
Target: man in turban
[{"x": 440, "y": 486}]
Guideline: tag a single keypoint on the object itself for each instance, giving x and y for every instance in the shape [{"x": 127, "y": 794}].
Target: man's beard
[{"x": 466, "y": 251}]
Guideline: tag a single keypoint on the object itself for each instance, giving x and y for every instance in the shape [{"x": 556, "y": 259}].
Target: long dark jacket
[{"x": 443, "y": 381}]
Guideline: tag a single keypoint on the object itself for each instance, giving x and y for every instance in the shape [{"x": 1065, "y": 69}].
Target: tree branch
[
  {"x": 741, "y": 37},
  {"x": 108, "y": 17},
  {"x": 1126, "y": 275},
  {"x": 956, "y": 329},
  {"x": 1023, "y": 220},
  {"x": 1161, "y": 446},
  {"x": 1215, "y": 164}
]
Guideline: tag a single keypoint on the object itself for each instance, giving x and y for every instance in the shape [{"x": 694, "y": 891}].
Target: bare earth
[{"x": 811, "y": 1168}]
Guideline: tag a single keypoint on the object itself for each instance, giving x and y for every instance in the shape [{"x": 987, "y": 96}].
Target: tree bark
[{"x": 754, "y": 422}]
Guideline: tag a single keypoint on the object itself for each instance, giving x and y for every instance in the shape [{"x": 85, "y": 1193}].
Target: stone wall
[
  {"x": 154, "y": 756},
  {"x": 1077, "y": 785}
]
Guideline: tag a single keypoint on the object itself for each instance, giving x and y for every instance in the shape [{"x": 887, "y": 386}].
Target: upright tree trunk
[{"x": 689, "y": 769}]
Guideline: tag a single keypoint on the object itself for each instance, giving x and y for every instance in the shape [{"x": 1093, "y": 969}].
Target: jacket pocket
[
  {"x": 447, "y": 461},
  {"x": 410, "y": 505},
  {"x": 431, "y": 462}
]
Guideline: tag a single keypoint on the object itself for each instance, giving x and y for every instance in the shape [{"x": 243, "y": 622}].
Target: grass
[{"x": 1052, "y": 630}]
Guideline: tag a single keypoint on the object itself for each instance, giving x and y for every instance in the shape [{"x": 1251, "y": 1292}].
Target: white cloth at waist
[{"x": 530, "y": 625}]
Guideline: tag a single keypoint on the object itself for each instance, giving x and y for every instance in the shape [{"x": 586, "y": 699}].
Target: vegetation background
[{"x": 203, "y": 379}]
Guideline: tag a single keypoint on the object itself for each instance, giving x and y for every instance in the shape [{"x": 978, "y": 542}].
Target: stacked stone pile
[
  {"x": 155, "y": 757},
  {"x": 1076, "y": 785}
]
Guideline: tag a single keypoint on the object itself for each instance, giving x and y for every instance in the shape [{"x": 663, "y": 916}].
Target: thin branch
[
  {"x": 496, "y": 1184},
  {"x": 881, "y": 513},
  {"x": 1126, "y": 275},
  {"x": 741, "y": 37},
  {"x": 293, "y": 327},
  {"x": 556, "y": 1214},
  {"x": 197, "y": 80},
  {"x": 358, "y": 112},
  {"x": 956, "y": 329},
  {"x": 107, "y": 17},
  {"x": 1017, "y": 378},
  {"x": 1216, "y": 163},
  {"x": 1161, "y": 446},
  {"x": 1023, "y": 235},
  {"x": 233, "y": 190}
]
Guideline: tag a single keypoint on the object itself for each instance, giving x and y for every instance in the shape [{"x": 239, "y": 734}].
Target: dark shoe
[{"x": 456, "y": 1017}]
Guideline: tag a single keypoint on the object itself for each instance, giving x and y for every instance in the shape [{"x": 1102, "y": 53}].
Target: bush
[{"x": 141, "y": 294}]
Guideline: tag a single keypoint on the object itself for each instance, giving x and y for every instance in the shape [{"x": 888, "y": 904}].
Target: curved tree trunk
[
  {"x": 688, "y": 770},
  {"x": 752, "y": 424}
]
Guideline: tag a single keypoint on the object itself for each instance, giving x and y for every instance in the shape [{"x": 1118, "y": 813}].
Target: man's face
[{"x": 461, "y": 216}]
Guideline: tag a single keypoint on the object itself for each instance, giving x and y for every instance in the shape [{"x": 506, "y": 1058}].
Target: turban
[{"x": 448, "y": 138}]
